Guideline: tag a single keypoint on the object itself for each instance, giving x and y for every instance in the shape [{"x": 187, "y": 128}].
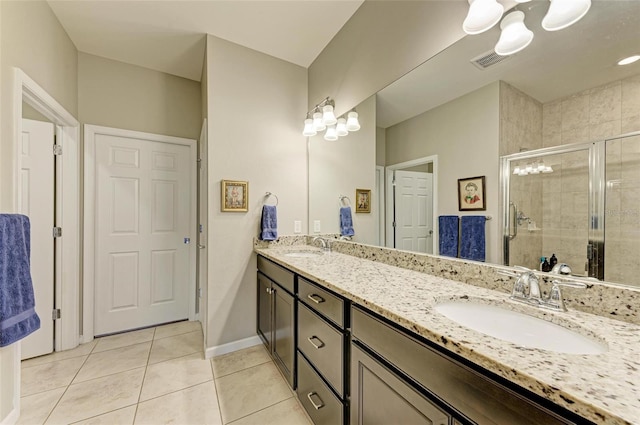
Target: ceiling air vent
[{"x": 488, "y": 59}]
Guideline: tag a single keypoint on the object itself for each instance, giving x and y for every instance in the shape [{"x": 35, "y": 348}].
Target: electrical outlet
[
  {"x": 297, "y": 226},
  {"x": 316, "y": 226}
]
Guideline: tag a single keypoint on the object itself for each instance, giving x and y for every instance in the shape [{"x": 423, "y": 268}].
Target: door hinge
[
  {"x": 394, "y": 224},
  {"x": 57, "y": 232},
  {"x": 55, "y": 314},
  {"x": 57, "y": 149}
]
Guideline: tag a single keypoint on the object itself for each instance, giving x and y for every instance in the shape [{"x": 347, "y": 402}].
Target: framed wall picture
[
  {"x": 234, "y": 196},
  {"x": 471, "y": 194},
  {"x": 363, "y": 200}
]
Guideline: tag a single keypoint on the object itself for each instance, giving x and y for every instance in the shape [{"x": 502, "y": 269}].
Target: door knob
[{"x": 201, "y": 246}]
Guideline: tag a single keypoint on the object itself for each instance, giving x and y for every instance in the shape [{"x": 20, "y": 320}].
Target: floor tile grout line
[
  {"x": 144, "y": 375},
  {"x": 257, "y": 411},
  {"x": 105, "y": 413},
  {"x": 215, "y": 385},
  {"x": 66, "y": 389},
  {"x": 245, "y": 368}
]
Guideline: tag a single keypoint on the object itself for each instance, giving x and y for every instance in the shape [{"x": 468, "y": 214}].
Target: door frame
[
  {"x": 88, "y": 284},
  {"x": 380, "y": 210},
  {"x": 390, "y": 198},
  {"x": 67, "y": 211}
]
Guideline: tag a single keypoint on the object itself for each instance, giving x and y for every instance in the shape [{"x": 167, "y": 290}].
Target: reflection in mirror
[{"x": 562, "y": 89}]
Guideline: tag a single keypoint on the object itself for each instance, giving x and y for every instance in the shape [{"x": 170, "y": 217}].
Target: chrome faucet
[
  {"x": 526, "y": 289},
  {"x": 326, "y": 244},
  {"x": 561, "y": 268}
]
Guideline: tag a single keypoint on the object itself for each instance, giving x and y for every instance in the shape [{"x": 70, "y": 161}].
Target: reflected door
[{"x": 413, "y": 211}]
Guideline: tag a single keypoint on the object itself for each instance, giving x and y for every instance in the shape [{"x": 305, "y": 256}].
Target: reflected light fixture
[
  {"x": 483, "y": 14},
  {"x": 563, "y": 13},
  {"x": 515, "y": 36},
  {"x": 341, "y": 127},
  {"x": 331, "y": 135},
  {"x": 629, "y": 60},
  {"x": 352, "y": 121},
  {"x": 322, "y": 117}
]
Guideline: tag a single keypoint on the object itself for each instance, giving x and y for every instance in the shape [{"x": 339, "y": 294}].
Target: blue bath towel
[
  {"x": 346, "y": 222},
  {"x": 269, "y": 223},
  {"x": 18, "y": 317},
  {"x": 472, "y": 238},
  {"x": 448, "y": 235}
]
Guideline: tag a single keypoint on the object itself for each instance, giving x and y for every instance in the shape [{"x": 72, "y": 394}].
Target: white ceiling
[
  {"x": 556, "y": 64},
  {"x": 169, "y": 35}
]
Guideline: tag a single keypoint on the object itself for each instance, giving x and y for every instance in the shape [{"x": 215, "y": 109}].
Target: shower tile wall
[
  {"x": 590, "y": 115},
  {"x": 521, "y": 129}
]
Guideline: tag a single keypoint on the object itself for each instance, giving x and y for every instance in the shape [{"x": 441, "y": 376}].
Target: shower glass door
[
  {"x": 549, "y": 212},
  {"x": 622, "y": 210}
]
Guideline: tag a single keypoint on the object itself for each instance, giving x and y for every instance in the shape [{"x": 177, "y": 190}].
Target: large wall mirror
[{"x": 459, "y": 113}]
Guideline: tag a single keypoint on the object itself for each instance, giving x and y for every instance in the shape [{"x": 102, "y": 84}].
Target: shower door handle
[{"x": 513, "y": 223}]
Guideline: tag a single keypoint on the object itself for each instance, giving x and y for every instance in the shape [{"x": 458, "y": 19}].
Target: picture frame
[
  {"x": 471, "y": 194},
  {"x": 363, "y": 200},
  {"x": 234, "y": 196}
]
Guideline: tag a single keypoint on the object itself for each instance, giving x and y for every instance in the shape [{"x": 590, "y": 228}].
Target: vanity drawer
[
  {"x": 321, "y": 300},
  {"x": 323, "y": 346},
  {"x": 478, "y": 397},
  {"x": 278, "y": 274},
  {"x": 320, "y": 403}
]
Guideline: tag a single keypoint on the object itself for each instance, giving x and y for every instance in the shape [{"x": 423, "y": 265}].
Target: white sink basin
[
  {"x": 303, "y": 254},
  {"x": 519, "y": 328}
]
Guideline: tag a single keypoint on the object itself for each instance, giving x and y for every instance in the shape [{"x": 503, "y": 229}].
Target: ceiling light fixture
[
  {"x": 322, "y": 117},
  {"x": 483, "y": 14},
  {"x": 515, "y": 36},
  {"x": 629, "y": 60},
  {"x": 563, "y": 13}
]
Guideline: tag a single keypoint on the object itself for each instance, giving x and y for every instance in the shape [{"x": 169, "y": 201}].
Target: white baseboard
[
  {"x": 12, "y": 417},
  {"x": 218, "y": 350}
]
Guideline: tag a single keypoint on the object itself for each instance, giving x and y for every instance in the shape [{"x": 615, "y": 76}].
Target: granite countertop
[{"x": 604, "y": 388}]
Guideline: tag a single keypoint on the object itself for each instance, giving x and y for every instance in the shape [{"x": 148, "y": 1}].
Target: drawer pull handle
[
  {"x": 318, "y": 346},
  {"x": 316, "y": 405},
  {"x": 315, "y": 298}
]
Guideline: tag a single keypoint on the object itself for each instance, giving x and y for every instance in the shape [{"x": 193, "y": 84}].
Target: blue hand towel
[
  {"x": 346, "y": 222},
  {"x": 18, "y": 317},
  {"x": 269, "y": 223},
  {"x": 472, "y": 238},
  {"x": 448, "y": 235}
]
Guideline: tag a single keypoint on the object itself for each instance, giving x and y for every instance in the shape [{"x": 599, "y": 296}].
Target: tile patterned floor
[{"x": 156, "y": 376}]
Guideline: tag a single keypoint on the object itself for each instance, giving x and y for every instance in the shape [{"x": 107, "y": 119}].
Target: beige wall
[
  {"x": 339, "y": 168},
  {"x": 116, "y": 94},
  {"x": 380, "y": 43},
  {"x": 256, "y": 105},
  {"x": 464, "y": 133},
  {"x": 381, "y": 146},
  {"x": 33, "y": 40}
]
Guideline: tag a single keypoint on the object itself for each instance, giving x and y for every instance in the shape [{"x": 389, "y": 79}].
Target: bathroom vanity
[{"x": 368, "y": 345}]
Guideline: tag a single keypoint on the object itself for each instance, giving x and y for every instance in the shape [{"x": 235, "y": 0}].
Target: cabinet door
[
  {"x": 380, "y": 397},
  {"x": 284, "y": 331},
  {"x": 264, "y": 325}
]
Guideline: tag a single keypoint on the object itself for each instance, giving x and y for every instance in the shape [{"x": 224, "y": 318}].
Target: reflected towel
[
  {"x": 346, "y": 222},
  {"x": 269, "y": 223},
  {"x": 472, "y": 237},
  {"x": 448, "y": 235},
  {"x": 18, "y": 317}
]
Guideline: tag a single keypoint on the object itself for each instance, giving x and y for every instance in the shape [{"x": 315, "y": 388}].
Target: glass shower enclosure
[{"x": 580, "y": 202}]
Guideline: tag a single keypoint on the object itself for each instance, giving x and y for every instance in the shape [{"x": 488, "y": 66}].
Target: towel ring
[
  {"x": 341, "y": 199},
  {"x": 268, "y": 194}
]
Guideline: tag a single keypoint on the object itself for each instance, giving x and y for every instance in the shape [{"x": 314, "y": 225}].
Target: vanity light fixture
[
  {"x": 532, "y": 168},
  {"x": 322, "y": 117},
  {"x": 629, "y": 60},
  {"x": 515, "y": 36}
]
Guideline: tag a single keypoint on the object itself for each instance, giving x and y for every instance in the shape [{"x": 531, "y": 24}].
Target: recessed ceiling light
[{"x": 630, "y": 59}]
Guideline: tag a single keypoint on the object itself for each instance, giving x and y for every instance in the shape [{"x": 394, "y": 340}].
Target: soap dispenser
[
  {"x": 545, "y": 267},
  {"x": 553, "y": 260},
  {"x": 542, "y": 261}
]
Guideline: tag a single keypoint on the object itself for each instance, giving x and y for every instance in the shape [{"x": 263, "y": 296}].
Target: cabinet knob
[
  {"x": 317, "y": 346},
  {"x": 316, "y": 405}
]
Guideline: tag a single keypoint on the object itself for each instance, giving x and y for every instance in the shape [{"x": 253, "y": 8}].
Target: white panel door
[
  {"x": 142, "y": 219},
  {"x": 37, "y": 191},
  {"x": 414, "y": 211}
]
